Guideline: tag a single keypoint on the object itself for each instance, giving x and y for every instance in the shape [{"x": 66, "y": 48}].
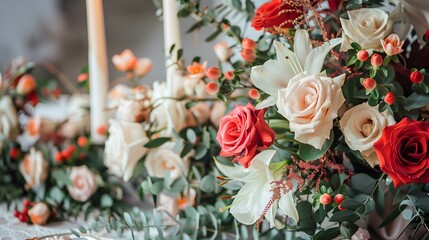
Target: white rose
[
  {"x": 163, "y": 159},
  {"x": 34, "y": 169},
  {"x": 217, "y": 112},
  {"x": 84, "y": 183},
  {"x": 8, "y": 120},
  {"x": 366, "y": 26},
  {"x": 311, "y": 103},
  {"x": 132, "y": 110},
  {"x": 362, "y": 126},
  {"x": 195, "y": 86},
  {"x": 167, "y": 115},
  {"x": 124, "y": 147}
]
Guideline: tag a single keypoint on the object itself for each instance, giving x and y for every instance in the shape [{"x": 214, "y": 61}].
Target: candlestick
[
  {"x": 171, "y": 36},
  {"x": 98, "y": 71}
]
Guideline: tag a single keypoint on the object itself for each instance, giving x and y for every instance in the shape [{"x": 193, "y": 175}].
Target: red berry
[
  {"x": 417, "y": 77},
  {"x": 212, "y": 88},
  {"x": 102, "y": 130},
  {"x": 14, "y": 153},
  {"x": 213, "y": 73},
  {"x": 325, "y": 199},
  {"x": 229, "y": 75},
  {"x": 65, "y": 155},
  {"x": 376, "y": 60},
  {"x": 254, "y": 94},
  {"x": 390, "y": 98},
  {"x": 369, "y": 84},
  {"x": 248, "y": 55},
  {"x": 58, "y": 157},
  {"x": 26, "y": 203},
  {"x": 82, "y": 141},
  {"x": 248, "y": 43},
  {"x": 341, "y": 208},
  {"x": 338, "y": 199},
  {"x": 71, "y": 149},
  {"x": 16, "y": 213},
  {"x": 23, "y": 218},
  {"x": 363, "y": 55}
]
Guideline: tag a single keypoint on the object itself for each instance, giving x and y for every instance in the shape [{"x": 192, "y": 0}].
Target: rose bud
[
  {"x": 416, "y": 77},
  {"x": 325, "y": 199},
  {"x": 362, "y": 55},
  {"x": 143, "y": 67},
  {"x": 229, "y": 75},
  {"x": 339, "y": 198},
  {"x": 248, "y": 43},
  {"x": 376, "y": 60},
  {"x": 254, "y": 94},
  {"x": 82, "y": 77},
  {"x": 26, "y": 84},
  {"x": 212, "y": 88},
  {"x": 392, "y": 45},
  {"x": 248, "y": 55},
  {"x": 369, "y": 84},
  {"x": 126, "y": 61},
  {"x": 390, "y": 98},
  {"x": 213, "y": 73},
  {"x": 222, "y": 51},
  {"x": 84, "y": 183},
  {"x": 39, "y": 213},
  {"x": 82, "y": 141}
]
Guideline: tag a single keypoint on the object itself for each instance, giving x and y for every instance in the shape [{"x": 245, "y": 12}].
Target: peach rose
[
  {"x": 392, "y": 45},
  {"x": 143, "y": 67},
  {"x": 39, "y": 213},
  {"x": 84, "y": 183},
  {"x": 126, "y": 61},
  {"x": 34, "y": 169}
]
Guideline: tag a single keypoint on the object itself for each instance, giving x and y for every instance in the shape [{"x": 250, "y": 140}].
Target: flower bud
[
  {"x": 212, "y": 88},
  {"x": 248, "y": 43},
  {"x": 325, "y": 199},
  {"x": 39, "y": 213},
  {"x": 362, "y": 55},
  {"x": 26, "y": 84},
  {"x": 14, "y": 153},
  {"x": 392, "y": 45},
  {"x": 254, "y": 94},
  {"x": 222, "y": 51},
  {"x": 229, "y": 75},
  {"x": 376, "y": 60},
  {"x": 213, "y": 73},
  {"x": 248, "y": 55},
  {"x": 58, "y": 157},
  {"x": 339, "y": 198},
  {"x": 125, "y": 61},
  {"x": 82, "y": 77},
  {"x": 102, "y": 130},
  {"x": 416, "y": 77},
  {"x": 369, "y": 84},
  {"x": 390, "y": 98},
  {"x": 82, "y": 141}
]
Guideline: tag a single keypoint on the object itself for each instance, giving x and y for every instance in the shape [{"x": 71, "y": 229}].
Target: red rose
[
  {"x": 403, "y": 152},
  {"x": 244, "y": 133},
  {"x": 274, "y": 16}
]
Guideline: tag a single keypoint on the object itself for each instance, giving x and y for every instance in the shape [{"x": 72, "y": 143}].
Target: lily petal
[
  {"x": 287, "y": 204},
  {"x": 316, "y": 57},
  {"x": 268, "y": 102},
  {"x": 302, "y": 45}
]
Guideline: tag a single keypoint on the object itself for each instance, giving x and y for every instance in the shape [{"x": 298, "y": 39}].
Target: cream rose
[
  {"x": 115, "y": 94},
  {"x": 84, "y": 183},
  {"x": 8, "y": 120},
  {"x": 78, "y": 118},
  {"x": 39, "y": 213},
  {"x": 366, "y": 26},
  {"x": 198, "y": 114},
  {"x": 34, "y": 169},
  {"x": 124, "y": 147},
  {"x": 362, "y": 126},
  {"x": 133, "y": 110},
  {"x": 217, "y": 112},
  {"x": 163, "y": 159},
  {"x": 311, "y": 103}
]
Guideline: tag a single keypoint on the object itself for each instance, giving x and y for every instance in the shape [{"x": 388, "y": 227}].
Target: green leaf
[
  {"x": 309, "y": 153},
  {"x": 356, "y": 46},
  {"x": 363, "y": 183},
  {"x": 157, "y": 222},
  {"x": 237, "y": 4},
  {"x": 106, "y": 201},
  {"x": 157, "y": 187},
  {"x": 56, "y": 194},
  {"x": 344, "y": 215},
  {"x": 128, "y": 219},
  {"x": 352, "y": 60},
  {"x": 61, "y": 177},
  {"x": 372, "y": 72},
  {"x": 172, "y": 48},
  {"x": 330, "y": 233},
  {"x": 184, "y": 12},
  {"x": 81, "y": 229},
  {"x": 154, "y": 143},
  {"x": 186, "y": 149},
  {"x": 208, "y": 183},
  {"x": 416, "y": 100},
  {"x": 179, "y": 54},
  {"x": 206, "y": 138},
  {"x": 179, "y": 184},
  {"x": 213, "y": 35},
  {"x": 200, "y": 151},
  {"x": 379, "y": 200},
  {"x": 191, "y": 136},
  {"x": 74, "y": 232}
]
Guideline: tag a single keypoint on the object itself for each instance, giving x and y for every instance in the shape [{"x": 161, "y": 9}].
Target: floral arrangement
[{"x": 314, "y": 129}]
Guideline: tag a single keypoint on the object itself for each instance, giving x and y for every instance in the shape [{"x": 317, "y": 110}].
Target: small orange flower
[
  {"x": 197, "y": 68},
  {"x": 392, "y": 45},
  {"x": 126, "y": 61}
]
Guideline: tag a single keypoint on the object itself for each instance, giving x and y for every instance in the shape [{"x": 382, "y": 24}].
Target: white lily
[
  {"x": 276, "y": 74},
  {"x": 412, "y": 12},
  {"x": 250, "y": 202}
]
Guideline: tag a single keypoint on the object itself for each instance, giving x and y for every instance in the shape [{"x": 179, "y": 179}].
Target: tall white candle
[
  {"x": 98, "y": 71},
  {"x": 171, "y": 36}
]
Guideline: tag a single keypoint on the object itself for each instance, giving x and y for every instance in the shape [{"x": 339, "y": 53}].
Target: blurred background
[{"x": 55, "y": 31}]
